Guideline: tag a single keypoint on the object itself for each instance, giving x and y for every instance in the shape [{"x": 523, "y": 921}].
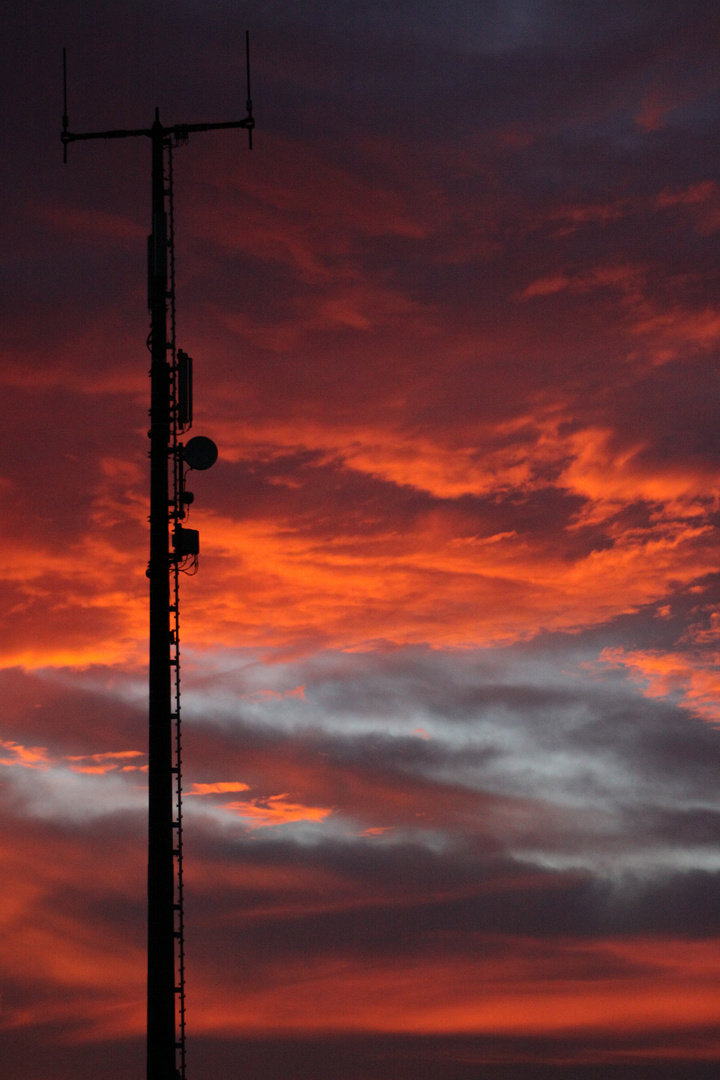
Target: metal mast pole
[
  {"x": 168, "y": 416},
  {"x": 161, "y": 916}
]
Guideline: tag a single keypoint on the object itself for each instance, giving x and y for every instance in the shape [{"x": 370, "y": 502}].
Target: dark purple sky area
[{"x": 452, "y": 660}]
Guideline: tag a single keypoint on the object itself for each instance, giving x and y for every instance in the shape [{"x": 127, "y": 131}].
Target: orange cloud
[
  {"x": 106, "y": 763},
  {"x": 546, "y": 286},
  {"x": 624, "y": 277},
  {"x": 280, "y": 586},
  {"x": 36, "y": 757},
  {"x": 220, "y": 788},
  {"x": 110, "y": 756},
  {"x": 281, "y": 578},
  {"x": 693, "y": 678},
  {"x": 277, "y": 810},
  {"x": 610, "y": 477},
  {"x": 29, "y": 757}
]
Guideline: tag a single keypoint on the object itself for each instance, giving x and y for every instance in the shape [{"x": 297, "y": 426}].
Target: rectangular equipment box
[{"x": 186, "y": 541}]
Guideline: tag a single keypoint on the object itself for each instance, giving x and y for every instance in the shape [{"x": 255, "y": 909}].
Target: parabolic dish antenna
[{"x": 200, "y": 453}]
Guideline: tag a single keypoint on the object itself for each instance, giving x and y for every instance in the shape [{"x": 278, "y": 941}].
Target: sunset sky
[{"x": 451, "y": 664}]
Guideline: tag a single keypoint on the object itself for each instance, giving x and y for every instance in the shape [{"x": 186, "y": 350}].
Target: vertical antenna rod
[
  {"x": 65, "y": 120},
  {"x": 163, "y": 1044},
  {"x": 248, "y": 101}
]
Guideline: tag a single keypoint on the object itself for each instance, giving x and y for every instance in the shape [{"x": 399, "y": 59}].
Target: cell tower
[{"x": 170, "y": 417}]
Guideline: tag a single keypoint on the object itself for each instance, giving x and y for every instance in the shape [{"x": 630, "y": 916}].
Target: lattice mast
[{"x": 170, "y": 417}]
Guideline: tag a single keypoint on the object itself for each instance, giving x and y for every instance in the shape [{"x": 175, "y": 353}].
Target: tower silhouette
[{"x": 170, "y": 417}]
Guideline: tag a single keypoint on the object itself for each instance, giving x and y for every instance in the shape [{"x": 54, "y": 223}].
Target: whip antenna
[
  {"x": 65, "y": 120},
  {"x": 248, "y": 102}
]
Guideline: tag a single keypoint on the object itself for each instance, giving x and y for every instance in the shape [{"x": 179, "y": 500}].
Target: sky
[{"x": 451, "y": 661}]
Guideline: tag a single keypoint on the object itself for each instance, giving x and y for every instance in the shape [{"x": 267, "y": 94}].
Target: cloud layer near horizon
[{"x": 452, "y": 660}]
